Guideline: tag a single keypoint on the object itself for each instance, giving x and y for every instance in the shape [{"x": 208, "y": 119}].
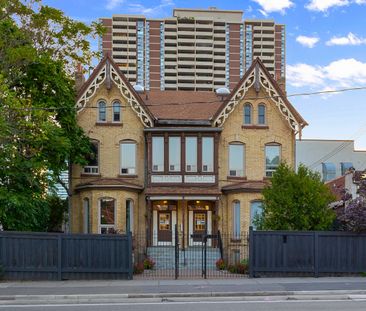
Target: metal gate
[{"x": 191, "y": 256}]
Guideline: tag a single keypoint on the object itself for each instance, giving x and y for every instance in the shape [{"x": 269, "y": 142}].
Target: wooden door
[
  {"x": 199, "y": 225},
  {"x": 164, "y": 226}
]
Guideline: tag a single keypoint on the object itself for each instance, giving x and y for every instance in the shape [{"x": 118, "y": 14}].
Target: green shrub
[
  {"x": 220, "y": 264},
  {"x": 149, "y": 263}
]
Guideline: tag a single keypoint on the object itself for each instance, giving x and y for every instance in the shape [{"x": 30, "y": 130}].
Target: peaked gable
[
  {"x": 105, "y": 73},
  {"x": 258, "y": 77}
]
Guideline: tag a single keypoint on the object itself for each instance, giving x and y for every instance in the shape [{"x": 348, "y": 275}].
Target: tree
[
  {"x": 296, "y": 201},
  {"x": 39, "y": 134},
  {"x": 353, "y": 216}
]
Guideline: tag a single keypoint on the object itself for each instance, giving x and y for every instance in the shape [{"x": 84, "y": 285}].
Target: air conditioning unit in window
[
  {"x": 189, "y": 168},
  {"x": 124, "y": 170},
  {"x": 155, "y": 167},
  {"x": 233, "y": 173},
  {"x": 171, "y": 168},
  {"x": 205, "y": 168}
]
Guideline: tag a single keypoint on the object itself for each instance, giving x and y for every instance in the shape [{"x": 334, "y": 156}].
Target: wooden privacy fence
[
  {"x": 58, "y": 256},
  {"x": 306, "y": 252}
]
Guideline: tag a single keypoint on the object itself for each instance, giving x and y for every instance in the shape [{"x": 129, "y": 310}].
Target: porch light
[
  {"x": 207, "y": 207},
  {"x": 198, "y": 202},
  {"x": 165, "y": 202}
]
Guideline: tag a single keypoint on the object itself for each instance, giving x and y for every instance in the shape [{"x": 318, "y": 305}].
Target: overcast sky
[{"x": 326, "y": 50}]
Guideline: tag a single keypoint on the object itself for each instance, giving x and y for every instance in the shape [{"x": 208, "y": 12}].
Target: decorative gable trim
[
  {"x": 259, "y": 78},
  {"x": 106, "y": 74}
]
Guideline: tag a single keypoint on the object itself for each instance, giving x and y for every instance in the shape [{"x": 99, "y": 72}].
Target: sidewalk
[{"x": 187, "y": 288}]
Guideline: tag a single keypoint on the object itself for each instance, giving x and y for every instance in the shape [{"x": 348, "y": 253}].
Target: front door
[
  {"x": 164, "y": 226},
  {"x": 199, "y": 225}
]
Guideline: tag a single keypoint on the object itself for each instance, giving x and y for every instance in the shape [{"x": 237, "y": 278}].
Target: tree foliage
[
  {"x": 353, "y": 216},
  {"x": 39, "y": 134},
  {"x": 296, "y": 201}
]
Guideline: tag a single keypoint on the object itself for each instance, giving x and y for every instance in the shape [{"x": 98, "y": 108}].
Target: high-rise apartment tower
[{"x": 195, "y": 49}]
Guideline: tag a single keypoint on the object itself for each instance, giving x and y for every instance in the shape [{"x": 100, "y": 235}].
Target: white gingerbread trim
[
  {"x": 276, "y": 98},
  {"x": 91, "y": 90},
  {"x": 271, "y": 91},
  {"x": 125, "y": 92},
  {"x": 235, "y": 100}
]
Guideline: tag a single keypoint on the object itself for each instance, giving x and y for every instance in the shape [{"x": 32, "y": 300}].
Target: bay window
[
  {"x": 207, "y": 154},
  {"x": 174, "y": 154},
  {"x": 236, "y": 219},
  {"x": 158, "y": 154},
  {"x": 106, "y": 215},
  {"x": 191, "y": 154}
]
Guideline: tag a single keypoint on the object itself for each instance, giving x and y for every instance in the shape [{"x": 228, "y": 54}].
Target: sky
[{"x": 325, "y": 50}]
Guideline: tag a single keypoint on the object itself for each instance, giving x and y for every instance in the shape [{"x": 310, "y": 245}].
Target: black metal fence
[
  {"x": 306, "y": 253},
  {"x": 53, "y": 256},
  {"x": 191, "y": 256}
]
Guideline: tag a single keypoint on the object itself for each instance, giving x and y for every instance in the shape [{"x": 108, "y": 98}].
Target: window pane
[
  {"x": 272, "y": 159},
  {"x": 158, "y": 154},
  {"x": 345, "y": 166},
  {"x": 261, "y": 114},
  {"x": 247, "y": 114},
  {"x": 191, "y": 154},
  {"x": 174, "y": 154},
  {"x": 207, "y": 154},
  {"x": 236, "y": 219},
  {"x": 116, "y": 112},
  {"x": 102, "y": 111},
  {"x": 107, "y": 212},
  {"x": 128, "y": 158},
  {"x": 236, "y": 160},
  {"x": 329, "y": 171},
  {"x": 129, "y": 216},
  {"x": 255, "y": 212}
]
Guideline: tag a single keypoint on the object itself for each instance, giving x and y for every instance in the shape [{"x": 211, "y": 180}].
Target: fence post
[
  {"x": 176, "y": 252},
  {"x": 251, "y": 252},
  {"x": 316, "y": 254},
  {"x": 130, "y": 250},
  {"x": 59, "y": 256}
]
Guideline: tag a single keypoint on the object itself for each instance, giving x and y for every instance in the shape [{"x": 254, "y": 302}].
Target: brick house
[{"x": 198, "y": 160}]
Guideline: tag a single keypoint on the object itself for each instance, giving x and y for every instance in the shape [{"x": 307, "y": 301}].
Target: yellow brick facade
[{"x": 109, "y": 135}]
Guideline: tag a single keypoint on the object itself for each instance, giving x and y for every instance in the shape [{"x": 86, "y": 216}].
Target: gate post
[
  {"x": 316, "y": 254},
  {"x": 251, "y": 252},
  {"x": 176, "y": 252}
]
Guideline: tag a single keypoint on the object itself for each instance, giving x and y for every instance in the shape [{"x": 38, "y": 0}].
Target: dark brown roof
[
  {"x": 183, "y": 191},
  {"x": 182, "y": 105},
  {"x": 110, "y": 183},
  {"x": 246, "y": 186},
  {"x": 337, "y": 186}
]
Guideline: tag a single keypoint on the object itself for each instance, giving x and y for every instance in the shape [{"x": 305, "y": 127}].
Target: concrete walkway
[{"x": 209, "y": 287}]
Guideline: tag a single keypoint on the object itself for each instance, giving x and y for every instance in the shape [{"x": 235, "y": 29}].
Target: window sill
[
  {"x": 90, "y": 175},
  {"x": 236, "y": 178},
  {"x": 255, "y": 127},
  {"x": 127, "y": 176},
  {"x": 109, "y": 123}
]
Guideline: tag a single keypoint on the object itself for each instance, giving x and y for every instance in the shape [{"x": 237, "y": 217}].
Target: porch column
[{"x": 149, "y": 224}]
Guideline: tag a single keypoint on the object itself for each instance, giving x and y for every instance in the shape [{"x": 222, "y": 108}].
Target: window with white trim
[
  {"x": 273, "y": 158},
  {"x": 236, "y": 159},
  {"x": 174, "y": 154},
  {"x": 256, "y": 209},
  {"x": 92, "y": 166},
  {"x": 247, "y": 114},
  {"x": 191, "y": 154},
  {"x": 102, "y": 111},
  {"x": 86, "y": 215},
  {"x": 158, "y": 154},
  {"x": 236, "y": 219},
  {"x": 128, "y": 157},
  {"x": 116, "y": 111},
  {"x": 207, "y": 154},
  {"x": 107, "y": 213},
  {"x": 261, "y": 114}
]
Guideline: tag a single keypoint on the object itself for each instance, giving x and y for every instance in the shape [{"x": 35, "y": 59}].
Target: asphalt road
[{"x": 228, "y": 305}]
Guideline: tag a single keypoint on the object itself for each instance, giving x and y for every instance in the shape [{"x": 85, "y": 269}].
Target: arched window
[
  {"x": 86, "y": 213},
  {"x": 128, "y": 157},
  {"x": 273, "y": 158},
  {"x": 236, "y": 219},
  {"x": 256, "y": 208},
  {"x": 247, "y": 113},
  {"x": 236, "y": 159},
  {"x": 107, "y": 213},
  {"x": 261, "y": 114},
  {"x": 92, "y": 159},
  {"x": 116, "y": 111},
  {"x": 129, "y": 216},
  {"x": 102, "y": 112}
]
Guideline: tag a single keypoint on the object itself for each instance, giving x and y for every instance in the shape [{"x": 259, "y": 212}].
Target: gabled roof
[
  {"x": 107, "y": 72},
  {"x": 259, "y": 77}
]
